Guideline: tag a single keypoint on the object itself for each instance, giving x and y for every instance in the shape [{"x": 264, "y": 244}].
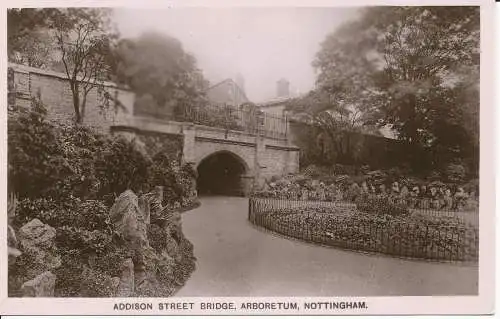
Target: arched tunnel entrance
[{"x": 221, "y": 174}]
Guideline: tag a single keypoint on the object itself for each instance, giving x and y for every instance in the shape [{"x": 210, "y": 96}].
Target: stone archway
[{"x": 222, "y": 173}]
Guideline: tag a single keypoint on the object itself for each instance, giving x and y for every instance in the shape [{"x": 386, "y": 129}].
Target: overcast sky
[{"x": 262, "y": 44}]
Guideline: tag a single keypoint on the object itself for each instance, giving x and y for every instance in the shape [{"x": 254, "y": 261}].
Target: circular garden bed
[{"x": 405, "y": 235}]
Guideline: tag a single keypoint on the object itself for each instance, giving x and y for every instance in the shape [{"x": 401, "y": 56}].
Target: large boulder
[
  {"x": 128, "y": 220},
  {"x": 150, "y": 271},
  {"x": 36, "y": 233},
  {"x": 126, "y": 281},
  {"x": 37, "y": 240},
  {"x": 41, "y": 286}
]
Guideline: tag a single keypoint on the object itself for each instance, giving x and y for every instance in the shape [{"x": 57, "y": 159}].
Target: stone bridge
[
  {"x": 227, "y": 161},
  {"x": 251, "y": 148}
]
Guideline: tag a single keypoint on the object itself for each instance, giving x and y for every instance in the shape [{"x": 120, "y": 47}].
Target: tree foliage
[
  {"x": 164, "y": 77},
  {"x": 415, "y": 69},
  {"x": 58, "y": 161},
  {"x": 27, "y": 41}
]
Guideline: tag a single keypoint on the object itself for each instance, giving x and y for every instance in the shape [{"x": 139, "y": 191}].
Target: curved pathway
[{"x": 236, "y": 259}]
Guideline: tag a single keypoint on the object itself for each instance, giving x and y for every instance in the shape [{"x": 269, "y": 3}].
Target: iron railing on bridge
[{"x": 230, "y": 118}]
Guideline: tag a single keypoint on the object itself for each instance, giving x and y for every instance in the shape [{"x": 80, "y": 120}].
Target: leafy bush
[
  {"x": 163, "y": 172},
  {"x": 35, "y": 159},
  {"x": 455, "y": 173},
  {"x": 58, "y": 161},
  {"x": 96, "y": 284},
  {"x": 122, "y": 166},
  {"x": 157, "y": 238},
  {"x": 89, "y": 214},
  {"x": 67, "y": 177},
  {"x": 86, "y": 241},
  {"x": 80, "y": 271},
  {"x": 380, "y": 206},
  {"x": 70, "y": 274}
]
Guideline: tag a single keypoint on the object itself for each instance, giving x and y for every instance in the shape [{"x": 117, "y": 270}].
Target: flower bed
[
  {"x": 415, "y": 236},
  {"x": 404, "y": 191}
]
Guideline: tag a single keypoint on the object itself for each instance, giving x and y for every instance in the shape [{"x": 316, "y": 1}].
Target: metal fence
[
  {"x": 227, "y": 117},
  {"x": 338, "y": 228},
  {"x": 436, "y": 207},
  {"x": 231, "y": 118}
]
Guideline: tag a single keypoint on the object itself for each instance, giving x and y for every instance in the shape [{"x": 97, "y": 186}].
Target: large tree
[
  {"x": 413, "y": 68},
  {"x": 84, "y": 40},
  {"x": 334, "y": 120},
  {"x": 162, "y": 74}
]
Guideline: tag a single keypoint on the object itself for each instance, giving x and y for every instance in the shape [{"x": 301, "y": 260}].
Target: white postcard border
[{"x": 463, "y": 305}]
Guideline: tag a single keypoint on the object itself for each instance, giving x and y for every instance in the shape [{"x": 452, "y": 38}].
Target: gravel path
[{"x": 236, "y": 259}]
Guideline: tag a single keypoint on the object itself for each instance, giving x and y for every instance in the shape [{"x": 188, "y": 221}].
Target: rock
[
  {"x": 126, "y": 284},
  {"x": 404, "y": 192},
  {"x": 125, "y": 216},
  {"x": 144, "y": 204},
  {"x": 37, "y": 240},
  {"x": 115, "y": 283},
  {"x": 41, "y": 286},
  {"x": 36, "y": 233},
  {"x": 172, "y": 247},
  {"x": 130, "y": 220},
  {"x": 11, "y": 237},
  {"x": 12, "y": 251}
]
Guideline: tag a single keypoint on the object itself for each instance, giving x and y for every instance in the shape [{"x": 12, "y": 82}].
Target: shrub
[
  {"x": 163, "y": 172},
  {"x": 167, "y": 144},
  {"x": 96, "y": 284},
  {"x": 455, "y": 173},
  {"x": 57, "y": 160},
  {"x": 69, "y": 275},
  {"x": 122, "y": 166},
  {"x": 89, "y": 214},
  {"x": 35, "y": 158},
  {"x": 84, "y": 239},
  {"x": 157, "y": 238},
  {"x": 81, "y": 272},
  {"x": 67, "y": 176},
  {"x": 380, "y": 206}
]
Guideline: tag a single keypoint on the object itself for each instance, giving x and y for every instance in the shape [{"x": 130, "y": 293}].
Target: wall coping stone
[{"x": 28, "y": 69}]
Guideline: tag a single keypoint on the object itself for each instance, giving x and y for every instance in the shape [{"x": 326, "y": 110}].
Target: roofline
[
  {"x": 219, "y": 83},
  {"x": 229, "y": 79},
  {"x": 272, "y": 103}
]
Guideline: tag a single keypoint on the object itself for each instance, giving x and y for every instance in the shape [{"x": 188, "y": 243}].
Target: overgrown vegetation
[
  {"x": 380, "y": 206},
  {"x": 413, "y": 70},
  {"x": 68, "y": 177}
]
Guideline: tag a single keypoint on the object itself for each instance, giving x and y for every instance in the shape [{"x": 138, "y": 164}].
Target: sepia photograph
[{"x": 250, "y": 152}]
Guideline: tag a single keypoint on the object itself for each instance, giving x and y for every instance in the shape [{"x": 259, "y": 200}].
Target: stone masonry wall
[{"x": 55, "y": 93}]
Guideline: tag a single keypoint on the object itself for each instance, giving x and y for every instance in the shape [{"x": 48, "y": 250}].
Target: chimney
[{"x": 283, "y": 88}]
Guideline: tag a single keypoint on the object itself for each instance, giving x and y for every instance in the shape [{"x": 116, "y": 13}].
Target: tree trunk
[
  {"x": 76, "y": 102},
  {"x": 82, "y": 106}
]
